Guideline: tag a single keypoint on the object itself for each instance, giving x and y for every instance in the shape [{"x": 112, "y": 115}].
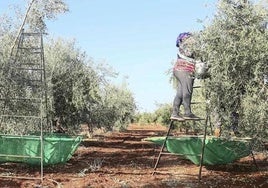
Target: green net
[
  {"x": 217, "y": 150},
  {"x": 57, "y": 148}
]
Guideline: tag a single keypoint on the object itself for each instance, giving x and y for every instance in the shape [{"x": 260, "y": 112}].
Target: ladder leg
[
  {"x": 163, "y": 146},
  {"x": 254, "y": 160},
  {"x": 253, "y": 157},
  {"x": 202, "y": 150}
]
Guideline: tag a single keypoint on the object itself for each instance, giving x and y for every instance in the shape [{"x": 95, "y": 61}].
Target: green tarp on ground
[
  {"x": 217, "y": 150},
  {"x": 57, "y": 148}
]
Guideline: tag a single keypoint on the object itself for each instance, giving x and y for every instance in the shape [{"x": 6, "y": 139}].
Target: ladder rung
[
  {"x": 33, "y": 69},
  {"x": 18, "y": 116},
  {"x": 36, "y": 99},
  {"x": 187, "y": 120},
  {"x": 32, "y": 64},
  {"x": 195, "y": 119},
  {"x": 198, "y": 102},
  {"x": 20, "y": 156},
  {"x": 27, "y": 80},
  {"x": 168, "y": 153},
  {"x": 30, "y": 48},
  {"x": 32, "y": 34},
  {"x": 35, "y": 52},
  {"x": 22, "y": 135}
]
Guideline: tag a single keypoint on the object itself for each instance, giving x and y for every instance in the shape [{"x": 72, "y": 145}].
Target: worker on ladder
[{"x": 184, "y": 73}]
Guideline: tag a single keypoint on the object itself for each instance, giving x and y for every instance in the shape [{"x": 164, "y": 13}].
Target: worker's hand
[
  {"x": 217, "y": 132},
  {"x": 201, "y": 70}
]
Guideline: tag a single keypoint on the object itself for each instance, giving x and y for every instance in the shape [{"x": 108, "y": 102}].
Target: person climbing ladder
[{"x": 184, "y": 74}]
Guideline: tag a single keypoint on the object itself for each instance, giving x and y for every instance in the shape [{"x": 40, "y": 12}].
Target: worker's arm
[{"x": 191, "y": 60}]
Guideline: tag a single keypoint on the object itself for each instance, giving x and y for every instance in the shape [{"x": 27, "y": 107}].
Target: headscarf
[{"x": 181, "y": 37}]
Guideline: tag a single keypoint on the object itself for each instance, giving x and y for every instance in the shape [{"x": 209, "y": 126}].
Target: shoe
[
  {"x": 177, "y": 118},
  {"x": 191, "y": 117}
]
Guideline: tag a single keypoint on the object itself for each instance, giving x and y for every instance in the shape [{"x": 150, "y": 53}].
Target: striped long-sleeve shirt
[{"x": 184, "y": 63}]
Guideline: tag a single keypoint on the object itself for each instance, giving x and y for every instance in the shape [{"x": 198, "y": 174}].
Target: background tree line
[
  {"x": 79, "y": 90},
  {"x": 233, "y": 43}
]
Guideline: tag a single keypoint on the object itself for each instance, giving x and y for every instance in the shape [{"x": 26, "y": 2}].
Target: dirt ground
[{"x": 123, "y": 160}]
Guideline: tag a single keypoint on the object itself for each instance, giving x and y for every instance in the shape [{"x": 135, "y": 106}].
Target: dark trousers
[{"x": 184, "y": 92}]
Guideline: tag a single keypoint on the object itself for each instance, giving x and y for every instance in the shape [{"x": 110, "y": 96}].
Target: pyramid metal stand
[
  {"x": 24, "y": 102},
  {"x": 171, "y": 127},
  {"x": 162, "y": 152}
]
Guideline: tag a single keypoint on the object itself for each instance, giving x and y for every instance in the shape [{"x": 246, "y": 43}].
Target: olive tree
[
  {"x": 78, "y": 89},
  {"x": 234, "y": 44}
]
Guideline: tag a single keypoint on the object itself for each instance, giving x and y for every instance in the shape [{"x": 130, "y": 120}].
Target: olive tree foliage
[
  {"x": 145, "y": 118},
  {"x": 33, "y": 20},
  {"x": 12, "y": 87},
  {"x": 117, "y": 107},
  {"x": 235, "y": 45},
  {"x": 6, "y": 40},
  {"x": 160, "y": 116},
  {"x": 80, "y": 90},
  {"x": 42, "y": 10},
  {"x": 73, "y": 85},
  {"x": 77, "y": 88}
]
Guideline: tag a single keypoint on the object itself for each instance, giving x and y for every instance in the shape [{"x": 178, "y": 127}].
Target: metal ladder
[
  {"x": 171, "y": 127},
  {"x": 24, "y": 102}
]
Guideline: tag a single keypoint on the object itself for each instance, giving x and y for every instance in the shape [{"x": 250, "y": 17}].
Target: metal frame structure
[
  {"x": 162, "y": 152},
  {"x": 206, "y": 124},
  {"x": 24, "y": 103},
  {"x": 171, "y": 127}
]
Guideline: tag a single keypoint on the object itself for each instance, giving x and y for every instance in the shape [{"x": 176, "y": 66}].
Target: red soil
[{"x": 124, "y": 160}]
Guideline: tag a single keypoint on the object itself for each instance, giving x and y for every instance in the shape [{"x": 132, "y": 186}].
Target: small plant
[{"x": 95, "y": 165}]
